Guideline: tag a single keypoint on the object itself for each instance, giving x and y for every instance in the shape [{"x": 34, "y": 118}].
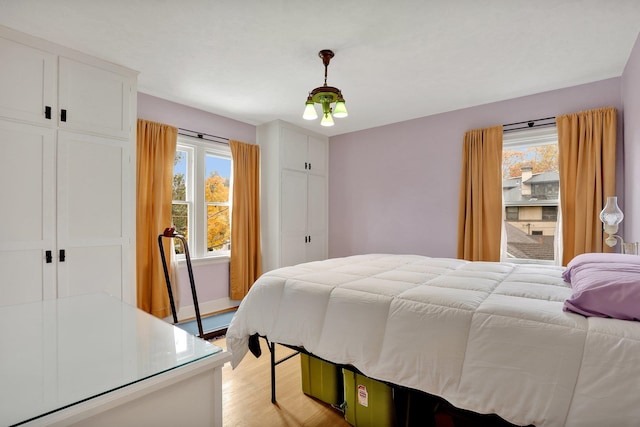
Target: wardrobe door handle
[
  {"x": 62, "y": 256},
  {"x": 48, "y": 257},
  {"x": 63, "y": 115},
  {"x": 47, "y": 112}
]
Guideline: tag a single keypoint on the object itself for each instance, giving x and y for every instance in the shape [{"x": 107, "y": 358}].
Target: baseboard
[{"x": 207, "y": 307}]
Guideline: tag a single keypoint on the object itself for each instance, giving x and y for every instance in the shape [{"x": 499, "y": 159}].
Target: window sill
[
  {"x": 529, "y": 261},
  {"x": 210, "y": 260}
]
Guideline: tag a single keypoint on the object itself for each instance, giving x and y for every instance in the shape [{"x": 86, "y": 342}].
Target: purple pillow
[{"x": 604, "y": 285}]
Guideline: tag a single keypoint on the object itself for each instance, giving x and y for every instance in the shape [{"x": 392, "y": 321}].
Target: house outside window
[
  {"x": 201, "y": 207},
  {"x": 530, "y": 189}
]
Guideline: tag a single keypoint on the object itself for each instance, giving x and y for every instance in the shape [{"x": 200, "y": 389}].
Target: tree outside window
[{"x": 201, "y": 197}]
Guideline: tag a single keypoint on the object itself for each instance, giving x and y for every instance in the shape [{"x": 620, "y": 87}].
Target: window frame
[
  {"x": 197, "y": 217},
  {"x": 524, "y": 139}
]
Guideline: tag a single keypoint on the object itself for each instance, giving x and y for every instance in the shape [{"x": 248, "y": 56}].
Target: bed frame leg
[{"x": 272, "y": 351}]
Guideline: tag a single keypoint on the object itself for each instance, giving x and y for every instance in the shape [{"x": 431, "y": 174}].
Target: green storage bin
[
  {"x": 369, "y": 403},
  {"x": 321, "y": 380}
]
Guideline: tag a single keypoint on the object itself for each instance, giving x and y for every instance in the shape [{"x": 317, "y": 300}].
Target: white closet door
[
  {"x": 27, "y": 155},
  {"x": 293, "y": 227},
  {"x": 91, "y": 173},
  {"x": 318, "y": 156},
  {"x": 93, "y": 99},
  {"x": 27, "y": 82},
  {"x": 317, "y": 217},
  {"x": 293, "y": 149}
]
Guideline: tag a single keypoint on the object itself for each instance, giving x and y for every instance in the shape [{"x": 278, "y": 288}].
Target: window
[
  {"x": 201, "y": 207},
  {"x": 512, "y": 213},
  {"x": 216, "y": 189},
  {"x": 549, "y": 213},
  {"x": 182, "y": 204},
  {"x": 530, "y": 191}
]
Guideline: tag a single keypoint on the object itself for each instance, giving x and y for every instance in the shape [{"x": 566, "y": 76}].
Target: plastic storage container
[
  {"x": 321, "y": 380},
  {"x": 369, "y": 403}
]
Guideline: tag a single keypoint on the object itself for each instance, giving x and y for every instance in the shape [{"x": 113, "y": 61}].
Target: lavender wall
[
  {"x": 631, "y": 102},
  {"x": 394, "y": 188},
  {"x": 178, "y": 115},
  {"x": 212, "y": 280}
]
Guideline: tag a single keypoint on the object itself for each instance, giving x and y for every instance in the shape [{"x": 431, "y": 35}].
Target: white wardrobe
[
  {"x": 294, "y": 194},
  {"x": 67, "y": 156}
]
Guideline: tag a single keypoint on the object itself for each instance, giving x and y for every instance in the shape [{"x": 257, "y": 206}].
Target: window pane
[
  {"x": 180, "y": 175},
  {"x": 180, "y": 218},
  {"x": 530, "y": 191},
  {"x": 549, "y": 213},
  {"x": 217, "y": 179},
  {"x": 218, "y": 229}
]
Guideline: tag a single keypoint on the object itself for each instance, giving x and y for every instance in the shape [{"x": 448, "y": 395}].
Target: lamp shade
[
  {"x": 611, "y": 215},
  {"x": 327, "y": 120},
  {"x": 310, "y": 111},
  {"x": 340, "y": 110}
]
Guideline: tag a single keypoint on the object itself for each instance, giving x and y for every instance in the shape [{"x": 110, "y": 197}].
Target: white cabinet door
[
  {"x": 27, "y": 83},
  {"x": 93, "y": 99},
  {"x": 293, "y": 219},
  {"x": 318, "y": 155},
  {"x": 293, "y": 149},
  {"x": 92, "y": 173},
  {"x": 316, "y": 217},
  {"x": 27, "y": 213}
]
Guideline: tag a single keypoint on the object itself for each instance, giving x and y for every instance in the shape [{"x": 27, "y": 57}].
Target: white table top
[{"x": 58, "y": 353}]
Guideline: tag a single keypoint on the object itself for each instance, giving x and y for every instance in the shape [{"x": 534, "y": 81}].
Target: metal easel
[{"x": 171, "y": 233}]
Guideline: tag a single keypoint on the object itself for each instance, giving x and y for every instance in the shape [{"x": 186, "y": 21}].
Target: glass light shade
[
  {"x": 310, "y": 111},
  {"x": 327, "y": 120},
  {"x": 611, "y": 215},
  {"x": 340, "y": 110}
]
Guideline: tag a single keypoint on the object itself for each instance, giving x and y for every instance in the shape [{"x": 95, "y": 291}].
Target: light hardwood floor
[{"x": 246, "y": 395}]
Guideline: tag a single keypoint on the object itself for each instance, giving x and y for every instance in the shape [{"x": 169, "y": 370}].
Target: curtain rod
[
  {"x": 202, "y": 135},
  {"x": 531, "y": 124}
]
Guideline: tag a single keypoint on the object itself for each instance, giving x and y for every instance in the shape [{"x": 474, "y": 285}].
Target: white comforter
[{"x": 488, "y": 337}]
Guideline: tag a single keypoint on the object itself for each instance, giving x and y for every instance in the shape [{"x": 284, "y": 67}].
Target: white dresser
[{"x": 94, "y": 360}]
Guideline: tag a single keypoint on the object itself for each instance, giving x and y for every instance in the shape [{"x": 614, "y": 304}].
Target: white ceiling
[{"x": 256, "y": 60}]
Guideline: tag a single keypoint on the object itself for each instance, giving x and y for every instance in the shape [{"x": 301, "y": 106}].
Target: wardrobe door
[
  {"x": 91, "y": 194},
  {"x": 93, "y": 99},
  {"x": 27, "y": 233},
  {"x": 27, "y": 83}
]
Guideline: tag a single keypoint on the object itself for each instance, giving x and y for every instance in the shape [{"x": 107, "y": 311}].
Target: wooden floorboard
[{"x": 246, "y": 395}]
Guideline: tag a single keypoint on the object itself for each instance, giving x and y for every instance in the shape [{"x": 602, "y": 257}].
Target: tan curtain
[
  {"x": 246, "y": 259},
  {"x": 587, "y": 163},
  {"x": 480, "y": 208},
  {"x": 156, "y": 149}
]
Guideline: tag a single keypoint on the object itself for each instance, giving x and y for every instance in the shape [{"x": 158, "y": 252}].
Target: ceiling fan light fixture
[{"x": 325, "y": 96}]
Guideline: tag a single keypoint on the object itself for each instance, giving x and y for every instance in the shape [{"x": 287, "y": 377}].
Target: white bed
[{"x": 487, "y": 337}]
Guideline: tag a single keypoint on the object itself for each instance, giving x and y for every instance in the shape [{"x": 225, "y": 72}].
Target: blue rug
[{"x": 213, "y": 325}]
